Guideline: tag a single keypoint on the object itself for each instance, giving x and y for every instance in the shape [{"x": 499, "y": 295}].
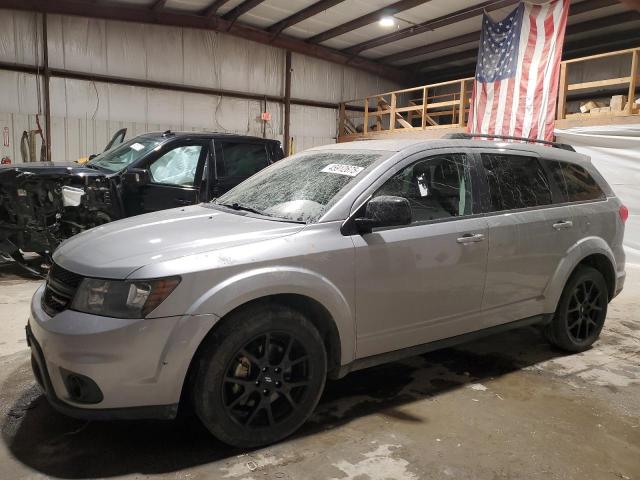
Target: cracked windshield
[{"x": 300, "y": 188}]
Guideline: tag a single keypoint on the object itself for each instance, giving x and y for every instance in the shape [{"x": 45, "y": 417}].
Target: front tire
[
  {"x": 581, "y": 312},
  {"x": 260, "y": 376}
]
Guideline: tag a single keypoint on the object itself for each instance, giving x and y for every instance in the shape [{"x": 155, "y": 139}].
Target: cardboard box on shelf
[{"x": 618, "y": 102}]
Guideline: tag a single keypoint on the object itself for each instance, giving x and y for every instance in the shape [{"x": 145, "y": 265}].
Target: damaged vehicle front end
[
  {"x": 44, "y": 203},
  {"x": 41, "y": 204}
]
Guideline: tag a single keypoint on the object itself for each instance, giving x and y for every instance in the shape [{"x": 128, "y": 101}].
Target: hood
[
  {"x": 117, "y": 249},
  {"x": 49, "y": 169}
]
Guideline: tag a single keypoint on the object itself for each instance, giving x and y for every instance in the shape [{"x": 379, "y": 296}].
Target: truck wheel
[
  {"x": 259, "y": 376},
  {"x": 581, "y": 312}
]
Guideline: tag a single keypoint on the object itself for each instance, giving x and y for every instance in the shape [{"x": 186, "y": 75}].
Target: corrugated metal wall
[{"x": 85, "y": 114}]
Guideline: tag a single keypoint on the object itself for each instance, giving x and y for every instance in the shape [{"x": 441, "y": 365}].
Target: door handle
[
  {"x": 563, "y": 224},
  {"x": 470, "y": 238}
]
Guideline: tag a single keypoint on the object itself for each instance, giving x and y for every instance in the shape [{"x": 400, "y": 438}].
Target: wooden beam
[
  {"x": 598, "y": 83},
  {"x": 233, "y": 14},
  {"x": 631, "y": 97},
  {"x": 430, "y": 25},
  {"x": 367, "y": 19},
  {"x": 303, "y": 14},
  {"x": 213, "y": 8},
  {"x": 562, "y": 92},
  {"x": 136, "y": 13}
]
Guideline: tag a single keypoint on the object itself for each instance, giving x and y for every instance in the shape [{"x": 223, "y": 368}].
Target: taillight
[{"x": 624, "y": 213}]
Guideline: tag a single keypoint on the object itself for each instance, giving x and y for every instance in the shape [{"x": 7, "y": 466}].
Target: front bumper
[{"x": 137, "y": 372}]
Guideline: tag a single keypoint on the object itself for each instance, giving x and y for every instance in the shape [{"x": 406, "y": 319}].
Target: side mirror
[
  {"x": 384, "y": 211},
  {"x": 136, "y": 176}
]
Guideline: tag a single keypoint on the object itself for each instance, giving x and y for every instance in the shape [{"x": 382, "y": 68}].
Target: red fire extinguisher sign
[{"x": 5, "y": 136}]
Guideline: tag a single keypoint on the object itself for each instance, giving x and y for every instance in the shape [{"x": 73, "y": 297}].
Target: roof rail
[{"x": 470, "y": 136}]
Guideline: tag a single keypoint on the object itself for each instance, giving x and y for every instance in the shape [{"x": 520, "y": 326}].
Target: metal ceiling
[{"x": 432, "y": 38}]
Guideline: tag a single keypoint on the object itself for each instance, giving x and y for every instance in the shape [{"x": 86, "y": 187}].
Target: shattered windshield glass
[
  {"x": 124, "y": 155},
  {"x": 300, "y": 188}
]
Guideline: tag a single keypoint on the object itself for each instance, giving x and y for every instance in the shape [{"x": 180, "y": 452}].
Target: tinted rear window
[
  {"x": 240, "y": 159},
  {"x": 515, "y": 181},
  {"x": 580, "y": 185}
]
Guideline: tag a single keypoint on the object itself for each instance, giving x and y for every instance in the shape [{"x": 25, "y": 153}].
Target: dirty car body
[
  {"x": 43, "y": 203},
  {"x": 335, "y": 259}
]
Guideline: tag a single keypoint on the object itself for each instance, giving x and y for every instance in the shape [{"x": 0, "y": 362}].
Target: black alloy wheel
[
  {"x": 259, "y": 375},
  {"x": 266, "y": 381},
  {"x": 581, "y": 311},
  {"x": 584, "y": 312}
]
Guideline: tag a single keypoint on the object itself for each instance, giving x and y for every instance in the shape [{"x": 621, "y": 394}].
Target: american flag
[{"x": 516, "y": 82}]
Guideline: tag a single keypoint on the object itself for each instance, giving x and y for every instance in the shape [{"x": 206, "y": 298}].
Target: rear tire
[
  {"x": 581, "y": 311},
  {"x": 259, "y": 376}
]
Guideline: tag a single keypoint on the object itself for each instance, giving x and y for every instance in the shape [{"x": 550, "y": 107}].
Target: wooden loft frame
[
  {"x": 446, "y": 104},
  {"x": 631, "y": 81}
]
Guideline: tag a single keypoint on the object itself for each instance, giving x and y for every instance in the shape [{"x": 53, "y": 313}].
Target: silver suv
[{"x": 335, "y": 259}]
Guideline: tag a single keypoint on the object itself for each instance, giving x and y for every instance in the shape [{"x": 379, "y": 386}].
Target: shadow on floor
[{"x": 59, "y": 446}]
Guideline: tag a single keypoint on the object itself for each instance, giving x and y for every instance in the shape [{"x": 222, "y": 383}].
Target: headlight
[{"x": 122, "y": 299}]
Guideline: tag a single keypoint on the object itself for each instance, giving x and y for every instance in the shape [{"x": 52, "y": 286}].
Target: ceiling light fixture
[{"x": 387, "y": 22}]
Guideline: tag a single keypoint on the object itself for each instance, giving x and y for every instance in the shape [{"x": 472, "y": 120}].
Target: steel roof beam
[
  {"x": 430, "y": 25},
  {"x": 575, "y": 49},
  {"x": 576, "y": 28},
  {"x": 468, "y": 38},
  {"x": 241, "y": 9},
  {"x": 303, "y": 14},
  {"x": 213, "y": 8},
  {"x": 464, "y": 14},
  {"x": 367, "y": 19},
  {"x": 142, "y": 14}
]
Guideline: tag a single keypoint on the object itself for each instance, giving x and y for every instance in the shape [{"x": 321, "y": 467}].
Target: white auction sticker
[
  {"x": 349, "y": 170},
  {"x": 137, "y": 147}
]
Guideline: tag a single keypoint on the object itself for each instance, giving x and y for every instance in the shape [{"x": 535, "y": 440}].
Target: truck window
[
  {"x": 240, "y": 159},
  {"x": 515, "y": 181},
  {"x": 176, "y": 167}
]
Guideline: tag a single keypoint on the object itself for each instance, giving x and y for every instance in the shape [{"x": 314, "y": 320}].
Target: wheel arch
[
  {"x": 312, "y": 309},
  {"x": 590, "y": 251}
]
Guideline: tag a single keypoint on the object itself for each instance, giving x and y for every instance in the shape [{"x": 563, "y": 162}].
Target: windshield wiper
[
  {"x": 244, "y": 208},
  {"x": 237, "y": 206}
]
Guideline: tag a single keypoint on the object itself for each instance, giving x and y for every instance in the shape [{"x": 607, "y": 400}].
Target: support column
[
  {"x": 287, "y": 105},
  {"x": 45, "y": 89}
]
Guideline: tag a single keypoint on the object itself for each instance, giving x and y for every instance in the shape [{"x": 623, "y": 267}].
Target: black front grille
[{"x": 60, "y": 288}]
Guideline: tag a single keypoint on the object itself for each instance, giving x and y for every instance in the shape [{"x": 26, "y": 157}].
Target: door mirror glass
[
  {"x": 385, "y": 211},
  {"x": 136, "y": 176}
]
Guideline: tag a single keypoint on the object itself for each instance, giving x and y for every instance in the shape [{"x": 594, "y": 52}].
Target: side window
[
  {"x": 177, "y": 167},
  {"x": 436, "y": 187},
  {"x": 580, "y": 185},
  {"x": 555, "y": 172},
  {"x": 515, "y": 181},
  {"x": 240, "y": 159}
]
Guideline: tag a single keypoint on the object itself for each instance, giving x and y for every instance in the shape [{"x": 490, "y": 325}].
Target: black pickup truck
[{"x": 43, "y": 203}]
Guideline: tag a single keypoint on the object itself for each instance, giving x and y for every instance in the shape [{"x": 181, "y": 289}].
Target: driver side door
[
  {"x": 423, "y": 281},
  {"x": 174, "y": 177}
]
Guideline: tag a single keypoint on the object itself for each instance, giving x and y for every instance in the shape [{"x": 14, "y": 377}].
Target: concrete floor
[{"x": 505, "y": 407}]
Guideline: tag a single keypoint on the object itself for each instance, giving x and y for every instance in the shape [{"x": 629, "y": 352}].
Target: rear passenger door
[
  {"x": 235, "y": 161},
  {"x": 529, "y": 229}
]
